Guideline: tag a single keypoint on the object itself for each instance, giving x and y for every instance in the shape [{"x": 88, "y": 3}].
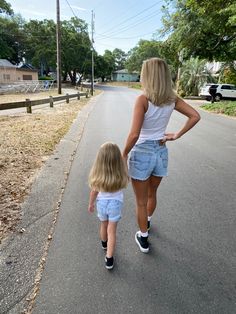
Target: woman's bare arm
[
  {"x": 188, "y": 111},
  {"x": 140, "y": 108}
]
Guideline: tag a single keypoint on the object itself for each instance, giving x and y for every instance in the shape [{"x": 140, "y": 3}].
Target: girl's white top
[
  {"x": 155, "y": 122},
  {"x": 118, "y": 195}
]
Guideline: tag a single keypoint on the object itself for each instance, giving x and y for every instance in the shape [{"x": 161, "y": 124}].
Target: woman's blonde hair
[
  {"x": 156, "y": 82},
  {"x": 108, "y": 173}
]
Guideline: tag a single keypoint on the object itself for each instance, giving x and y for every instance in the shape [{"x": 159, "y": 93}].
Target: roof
[
  {"x": 7, "y": 64},
  {"x": 125, "y": 71},
  {"x": 27, "y": 66}
]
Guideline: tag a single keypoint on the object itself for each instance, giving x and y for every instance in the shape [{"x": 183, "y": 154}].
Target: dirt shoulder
[{"x": 26, "y": 141}]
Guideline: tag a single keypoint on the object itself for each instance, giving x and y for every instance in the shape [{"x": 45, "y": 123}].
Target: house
[
  {"x": 125, "y": 76},
  {"x": 10, "y": 73}
]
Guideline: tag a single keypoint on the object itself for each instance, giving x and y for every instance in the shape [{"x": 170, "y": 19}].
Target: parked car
[{"x": 223, "y": 91}]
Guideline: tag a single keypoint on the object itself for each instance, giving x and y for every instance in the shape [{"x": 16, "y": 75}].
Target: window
[
  {"x": 6, "y": 77},
  {"x": 27, "y": 77},
  {"x": 225, "y": 87}
]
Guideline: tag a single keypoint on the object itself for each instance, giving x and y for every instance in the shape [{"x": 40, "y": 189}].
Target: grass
[
  {"x": 26, "y": 142},
  {"x": 224, "y": 107}
]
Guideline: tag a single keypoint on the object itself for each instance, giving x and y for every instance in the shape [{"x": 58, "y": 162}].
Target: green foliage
[
  {"x": 193, "y": 75},
  {"x": 225, "y": 107},
  {"x": 46, "y": 78},
  {"x": 228, "y": 73},
  {"x": 205, "y": 29},
  {"x": 76, "y": 47},
  {"x": 40, "y": 44},
  {"x": 144, "y": 50},
  {"x": 5, "y": 7},
  {"x": 11, "y": 38}
]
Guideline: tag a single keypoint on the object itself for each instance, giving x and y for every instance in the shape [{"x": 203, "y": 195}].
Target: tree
[
  {"x": 144, "y": 50},
  {"x": 205, "y": 29},
  {"x": 120, "y": 58},
  {"x": 5, "y": 7},
  {"x": 76, "y": 47},
  {"x": 40, "y": 44},
  {"x": 192, "y": 76},
  {"x": 12, "y": 38}
]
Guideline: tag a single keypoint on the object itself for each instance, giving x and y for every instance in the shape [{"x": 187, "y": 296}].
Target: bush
[
  {"x": 225, "y": 107},
  {"x": 45, "y": 78}
]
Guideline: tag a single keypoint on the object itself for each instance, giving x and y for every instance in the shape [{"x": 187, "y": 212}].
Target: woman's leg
[
  {"x": 103, "y": 230},
  {"x": 111, "y": 233},
  {"x": 153, "y": 185},
  {"x": 141, "y": 193}
]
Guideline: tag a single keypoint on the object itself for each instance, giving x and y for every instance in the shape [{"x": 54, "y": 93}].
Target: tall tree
[
  {"x": 12, "y": 38},
  {"x": 203, "y": 28},
  {"x": 40, "y": 44},
  {"x": 5, "y": 7},
  {"x": 120, "y": 58},
  {"x": 76, "y": 47},
  {"x": 144, "y": 50}
]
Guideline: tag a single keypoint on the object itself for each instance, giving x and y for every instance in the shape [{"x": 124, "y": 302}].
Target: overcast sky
[{"x": 118, "y": 23}]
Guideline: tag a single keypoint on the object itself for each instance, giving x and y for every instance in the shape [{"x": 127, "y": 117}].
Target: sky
[{"x": 118, "y": 23}]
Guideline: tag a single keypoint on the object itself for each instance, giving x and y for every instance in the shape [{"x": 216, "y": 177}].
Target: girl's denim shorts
[
  {"x": 149, "y": 158},
  {"x": 109, "y": 210}
]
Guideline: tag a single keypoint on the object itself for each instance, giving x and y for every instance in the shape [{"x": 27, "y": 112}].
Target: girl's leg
[
  {"x": 111, "y": 233},
  {"x": 141, "y": 193},
  {"x": 153, "y": 185},
  {"x": 103, "y": 230}
]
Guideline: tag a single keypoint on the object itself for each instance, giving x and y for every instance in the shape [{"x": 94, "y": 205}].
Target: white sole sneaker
[{"x": 142, "y": 249}]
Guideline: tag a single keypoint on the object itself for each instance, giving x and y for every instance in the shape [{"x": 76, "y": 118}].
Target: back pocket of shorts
[{"x": 140, "y": 161}]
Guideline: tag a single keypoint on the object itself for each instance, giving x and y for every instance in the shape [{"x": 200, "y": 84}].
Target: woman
[{"x": 146, "y": 140}]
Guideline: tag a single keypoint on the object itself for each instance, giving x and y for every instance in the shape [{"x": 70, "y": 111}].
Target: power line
[
  {"x": 132, "y": 17},
  {"x": 128, "y": 27}
]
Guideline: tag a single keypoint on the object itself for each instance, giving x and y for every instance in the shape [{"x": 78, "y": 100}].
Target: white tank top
[
  {"x": 118, "y": 195},
  {"x": 155, "y": 122}
]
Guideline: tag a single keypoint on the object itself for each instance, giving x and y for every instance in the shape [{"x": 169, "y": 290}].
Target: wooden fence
[{"x": 30, "y": 103}]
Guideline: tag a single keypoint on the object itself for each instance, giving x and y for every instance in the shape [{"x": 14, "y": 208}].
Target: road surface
[{"x": 191, "y": 267}]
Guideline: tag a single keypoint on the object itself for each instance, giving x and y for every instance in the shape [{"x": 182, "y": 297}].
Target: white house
[{"x": 125, "y": 76}]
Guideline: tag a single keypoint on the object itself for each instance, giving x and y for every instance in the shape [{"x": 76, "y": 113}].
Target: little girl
[{"x": 107, "y": 178}]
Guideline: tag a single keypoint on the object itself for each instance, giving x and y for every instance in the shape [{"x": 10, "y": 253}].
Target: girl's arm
[
  {"x": 188, "y": 111},
  {"x": 92, "y": 198},
  {"x": 140, "y": 108}
]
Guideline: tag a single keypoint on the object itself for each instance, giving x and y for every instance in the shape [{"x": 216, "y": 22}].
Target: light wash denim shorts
[
  {"x": 148, "y": 159},
  {"x": 109, "y": 209}
]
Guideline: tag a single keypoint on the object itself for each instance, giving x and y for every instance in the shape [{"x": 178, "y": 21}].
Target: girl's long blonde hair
[
  {"x": 108, "y": 173},
  {"x": 156, "y": 82}
]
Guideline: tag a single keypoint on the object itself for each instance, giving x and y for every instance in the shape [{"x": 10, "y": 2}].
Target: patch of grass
[
  {"x": 225, "y": 107},
  {"x": 136, "y": 85}
]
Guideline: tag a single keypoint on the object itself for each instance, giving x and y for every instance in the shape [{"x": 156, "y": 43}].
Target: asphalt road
[{"x": 191, "y": 267}]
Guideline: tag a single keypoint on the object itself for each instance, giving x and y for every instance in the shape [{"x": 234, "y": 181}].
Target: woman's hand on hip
[{"x": 170, "y": 137}]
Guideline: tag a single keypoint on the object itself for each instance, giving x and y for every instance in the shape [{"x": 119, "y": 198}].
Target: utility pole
[
  {"x": 58, "y": 49},
  {"x": 92, "y": 49}
]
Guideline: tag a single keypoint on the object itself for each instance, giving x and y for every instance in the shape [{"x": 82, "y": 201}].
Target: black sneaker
[
  {"x": 104, "y": 245},
  {"x": 109, "y": 262},
  {"x": 142, "y": 242},
  {"x": 148, "y": 225}
]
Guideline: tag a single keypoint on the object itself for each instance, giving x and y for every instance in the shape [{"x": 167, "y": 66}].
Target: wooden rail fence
[{"x": 30, "y": 103}]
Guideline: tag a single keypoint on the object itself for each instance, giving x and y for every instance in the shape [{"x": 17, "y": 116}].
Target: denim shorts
[
  {"x": 148, "y": 159},
  {"x": 109, "y": 209}
]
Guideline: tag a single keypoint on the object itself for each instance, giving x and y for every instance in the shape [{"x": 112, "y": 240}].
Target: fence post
[
  {"x": 28, "y": 105},
  {"x": 78, "y": 97},
  {"x": 67, "y": 98},
  {"x": 51, "y": 101}
]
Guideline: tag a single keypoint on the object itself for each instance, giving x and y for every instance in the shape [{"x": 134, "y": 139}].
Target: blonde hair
[
  {"x": 108, "y": 173},
  {"x": 156, "y": 82}
]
